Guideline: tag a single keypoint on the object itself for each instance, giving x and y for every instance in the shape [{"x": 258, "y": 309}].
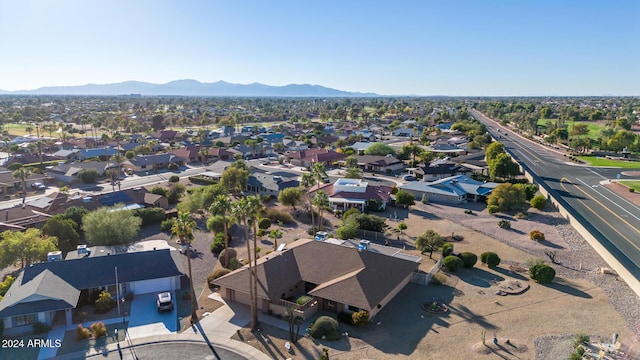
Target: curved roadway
[{"x": 612, "y": 220}]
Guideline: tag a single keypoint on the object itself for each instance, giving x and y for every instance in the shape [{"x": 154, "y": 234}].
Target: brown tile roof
[{"x": 343, "y": 274}]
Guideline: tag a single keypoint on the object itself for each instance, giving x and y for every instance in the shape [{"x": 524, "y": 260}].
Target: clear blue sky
[{"x": 452, "y": 47}]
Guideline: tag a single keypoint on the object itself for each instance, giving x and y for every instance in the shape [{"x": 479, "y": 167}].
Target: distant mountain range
[{"x": 193, "y": 88}]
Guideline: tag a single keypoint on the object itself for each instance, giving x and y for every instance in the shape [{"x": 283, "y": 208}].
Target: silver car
[{"x": 164, "y": 302}]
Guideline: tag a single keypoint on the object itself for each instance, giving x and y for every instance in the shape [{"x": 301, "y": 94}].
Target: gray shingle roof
[{"x": 46, "y": 291}]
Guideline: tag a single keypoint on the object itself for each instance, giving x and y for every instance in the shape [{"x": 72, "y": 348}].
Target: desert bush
[
  {"x": 468, "y": 259},
  {"x": 98, "y": 330},
  {"x": 468, "y": 212},
  {"x": 166, "y": 225},
  {"x": 580, "y": 339},
  {"x": 82, "y": 333},
  {"x": 277, "y": 216},
  {"x": 222, "y": 257},
  {"x": 504, "y": 224},
  {"x": 522, "y": 215},
  {"x": 490, "y": 258},
  {"x": 303, "y": 300},
  {"x": 370, "y": 222},
  {"x": 536, "y": 235},
  {"x": 438, "y": 279},
  {"x": 173, "y": 166},
  {"x": 538, "y": 202},
  {"x": 492, "y": 209},
  {"x": 350, "y": 212},
  {"x": 174, "y": 178},
  {"x": 218, "y": 243},
  {"x": 150, "y": 215},
  {"x": 216, "y": 274},
  {"x": 360, "y": 318},
  {"x": 452, "y": 263},
  {"x": 264, "y": 223},
  {"x": 447, "y": 249},
  {"x": 104, "y": 302},
  {"x": 325, "y": 326},
  {"x": 542, "y": 273},
  {"x": 234, "y": 264}
]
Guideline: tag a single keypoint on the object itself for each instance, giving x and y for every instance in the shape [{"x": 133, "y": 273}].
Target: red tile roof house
[
  {"x": 306, "y": 158},
  {"x": 349, "y": 278},
  {"x": 347, "y": 193}
]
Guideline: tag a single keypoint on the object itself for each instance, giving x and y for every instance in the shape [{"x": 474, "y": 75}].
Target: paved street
[{"x": 613, "y": 220}]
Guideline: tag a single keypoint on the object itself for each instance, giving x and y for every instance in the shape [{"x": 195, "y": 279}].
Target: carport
[{"x": 145, "y": 320}]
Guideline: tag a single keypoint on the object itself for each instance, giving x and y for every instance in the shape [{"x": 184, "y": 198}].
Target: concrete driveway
[{"x": 145, "y": 320}]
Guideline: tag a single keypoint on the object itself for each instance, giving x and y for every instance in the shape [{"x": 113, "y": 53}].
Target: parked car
[
  {"x": 409, "y": 178},
  {"x": 38, "y": 186},
  {"x": 164, "y": 302},
  {"x": 321, "y": 235},
  {"x": 183, "y": 248}
]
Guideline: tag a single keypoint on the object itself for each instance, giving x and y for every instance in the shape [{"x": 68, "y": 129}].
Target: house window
[
  {"x": 23, "y": 320},
  {"x": 331, "y": 304},
  {"x": 353, "y": 308},
  {"x": 143, "y": 166}
]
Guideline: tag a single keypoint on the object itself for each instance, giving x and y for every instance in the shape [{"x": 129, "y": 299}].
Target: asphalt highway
[{"x": 611, "y": 219}]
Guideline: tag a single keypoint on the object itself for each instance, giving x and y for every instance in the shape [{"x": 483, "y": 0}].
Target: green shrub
[
  {"x": 222, "y": 257},
  {"x": 580, "y": 339},
  {"x": 264, "y": 223},
  {"x": 173, "y": 166},
  {"x": 490, "y": 258},
  {"x": 452, "y": 263},
  {"x": 468, "y": 212},
  {"x": 104, "y": 302},
  {"x": 360, "y": 318},
  {"x": 529, "y": 190},
  {"x": 40, "y": 328},
  {"x": 201, "y": 180},
  {"x": 538, "y": 202},
  {"x": 160, "y": 191},
  {"x": 522, "y": 215},
  {"x": 174, "y": 178},
  {"x": 325, "y": 326},
  {"x": 88, "y": 176},
  {"x": 632, "y": 190},
  {"x": 492, "y": 209},
  {"x": 167, "y": 224},
  {"x": 5, "y": 285},
  {"x": 82, "y": 333},
  {"x": 220, "y": 272},
  {"x": 277, "y": 216},
  {"x": 438, "y": 279},
  {"x": 536, "y": 235},
  {"x": 350, "y": 212},
  {"x": 468, "y": 259},
  {"x": 447, "y": 249},
  {"x": 303, "y": 299},
  {"x": 370, "y": 222},
  {"x": 504, "y": 224},
  {"x": 151, "y": 215},
  {"x": 542, "y": 273},
  {"x": 218, "y": 243},
  {"x": 98, "y": 330},
  {"x": 234, "y": 264}
]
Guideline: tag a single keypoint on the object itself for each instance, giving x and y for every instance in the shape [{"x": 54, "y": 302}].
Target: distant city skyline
[{"x": 415, "y": 47}]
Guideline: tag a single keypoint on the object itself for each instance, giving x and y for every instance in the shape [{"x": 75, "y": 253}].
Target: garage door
[{"x": 152, "y": 286}]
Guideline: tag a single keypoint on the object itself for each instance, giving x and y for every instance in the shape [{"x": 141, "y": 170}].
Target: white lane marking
[{"x": 613, "y": 202}]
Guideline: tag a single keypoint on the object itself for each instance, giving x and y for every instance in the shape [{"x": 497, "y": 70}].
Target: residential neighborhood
[{"x": 210, "y": 218}]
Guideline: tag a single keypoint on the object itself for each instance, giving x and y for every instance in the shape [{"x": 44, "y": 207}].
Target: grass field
[
  {"x": 599, "y": 161},
  {"x": 631, "y": 184},
  {"x": 16, "y": 129},
  {"x": 594, "y": 128}
]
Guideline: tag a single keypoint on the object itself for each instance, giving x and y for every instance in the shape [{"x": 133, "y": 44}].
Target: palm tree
[
  {"x": 203, "y": 152},
  {"x": 255, "y": 208},
  {"x": 222, "y": 206},
  {"x": 22, "y": 174},
  {"x": 241, "y": 211},
  {"x": 307, "y": 182},
  {"x": 318, "y": 170},
  {"x": 183, "y": 229},
  {"x": 321, "y": 200}
]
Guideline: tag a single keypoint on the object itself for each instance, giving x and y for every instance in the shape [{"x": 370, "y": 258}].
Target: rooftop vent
[{"x": 54, "y": 256}]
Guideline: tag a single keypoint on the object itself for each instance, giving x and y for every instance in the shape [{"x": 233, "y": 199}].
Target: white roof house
[{"x": 454, "y": 189}]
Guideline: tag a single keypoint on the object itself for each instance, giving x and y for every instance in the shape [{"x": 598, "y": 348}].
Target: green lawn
[
  {"x": 631, "y": 184},
  {"x": 599, "y": 161},
  {"x": 594, "y": 128},
  {"x": 17, "y": 129}
]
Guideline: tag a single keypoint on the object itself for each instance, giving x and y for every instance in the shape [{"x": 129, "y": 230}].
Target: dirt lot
[{"x": 403, "y": 330}]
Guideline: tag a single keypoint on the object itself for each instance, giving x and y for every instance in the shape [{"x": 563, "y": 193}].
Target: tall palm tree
[
  {"x": 183, "y": 229},
  {"x": 22, "y": 174},
  {"x": 241, "y": 211},
  {"x": 255, "y": 209},
  {"x": 319, "y": 172},
  {"x": 321, "y": 200},
  {"x": 222, "y": 206},
  {"x": 307, "y": 182}
]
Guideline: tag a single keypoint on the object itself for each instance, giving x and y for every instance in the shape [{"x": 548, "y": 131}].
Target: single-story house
[
  {"x": 68, "y": 173},
  {"x": 405, "y": 132},
  {"x": 455, "y": 189},
  {"x": 142, "y": 163},
  {"x": 348, "y": 193},
  {"x": 435, "y": 172},
  {"x": 96, "y": 153},
  {"x": 339, "y": 276},
  {"x": 381, "y": 164},
  {"x": 43, "y": 290},
  {"x": 8, "y": 182},
  {"x": 268, "y": 184},
  {"x": 66, "y": 155},
  {"x": 361, "y": 146},
  {"x": 307, "y": 158}
]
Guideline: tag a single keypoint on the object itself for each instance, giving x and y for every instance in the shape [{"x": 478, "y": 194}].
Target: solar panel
[{"x": 115, "y": 198}]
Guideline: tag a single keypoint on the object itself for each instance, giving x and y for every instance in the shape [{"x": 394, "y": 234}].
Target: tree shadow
[
  {"x": 507, "y": 272},
  {"x": 479, "y": 277},
  {"x": 266, "y": 242},
  {"x": 425, "y": 215},
  {"x": 469, "y": 316},
  {"x": 562, "y": 286},
  {"x": 548, "y": 243}
]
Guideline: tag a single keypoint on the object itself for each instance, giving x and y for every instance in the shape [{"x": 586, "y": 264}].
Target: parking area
[{"x": 145, "y": 320}]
